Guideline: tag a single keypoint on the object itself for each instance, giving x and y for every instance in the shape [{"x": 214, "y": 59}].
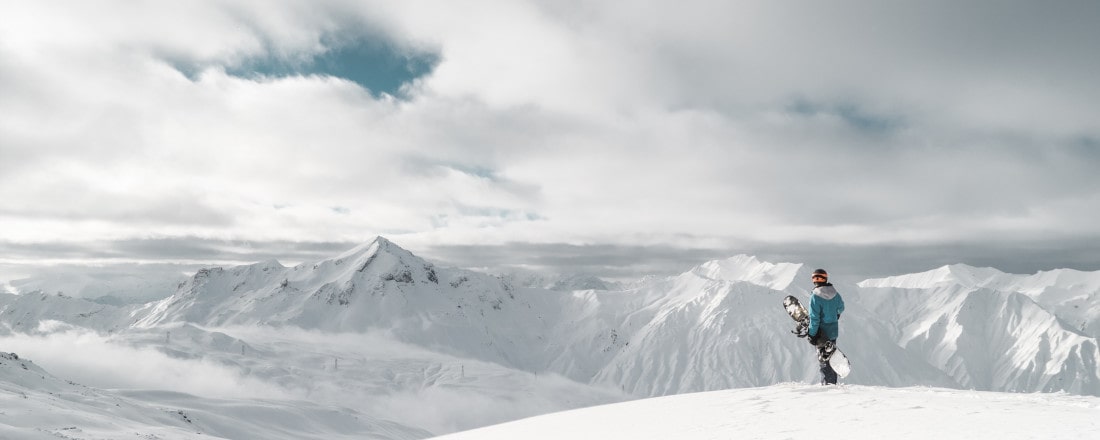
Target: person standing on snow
[{"x": 826, "y": 305}]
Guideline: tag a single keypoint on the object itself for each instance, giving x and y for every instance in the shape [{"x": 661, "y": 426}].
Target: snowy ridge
[
  {"x": 969, "y": 276},
  {"x": 1071, "y": 295},
  {"x": 960, "y": 274},
  {"x": 1064, "y": 279},
  {"x": 775, "y": 276}
]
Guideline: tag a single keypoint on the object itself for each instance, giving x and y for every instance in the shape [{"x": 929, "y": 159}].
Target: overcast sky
[{"x": 639, "y": 136}]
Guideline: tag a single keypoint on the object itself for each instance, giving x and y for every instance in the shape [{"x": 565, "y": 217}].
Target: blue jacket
[{"x": 826, "y": 305}]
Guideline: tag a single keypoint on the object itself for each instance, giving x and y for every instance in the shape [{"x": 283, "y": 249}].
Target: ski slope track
[{"x": 415, "y": 350}]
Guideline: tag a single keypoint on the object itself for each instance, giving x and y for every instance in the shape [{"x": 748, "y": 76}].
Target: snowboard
[
  {"x": 838, "y": 361},
  {"x": 830, "y": 353}
]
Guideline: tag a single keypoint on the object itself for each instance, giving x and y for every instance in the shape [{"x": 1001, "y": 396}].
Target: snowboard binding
[
  {"x": 825, "y": 351},
  {"x": 802, "y": 329}
]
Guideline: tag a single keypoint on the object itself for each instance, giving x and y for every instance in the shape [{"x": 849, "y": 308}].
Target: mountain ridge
[{"x": 717, "y": 325}]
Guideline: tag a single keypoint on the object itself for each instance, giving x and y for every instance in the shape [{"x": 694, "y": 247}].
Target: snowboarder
[{"x": 826, "y": 305}]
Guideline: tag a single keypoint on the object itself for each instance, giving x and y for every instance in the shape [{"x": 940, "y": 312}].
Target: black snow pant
[{"x": 828, "y": 375}]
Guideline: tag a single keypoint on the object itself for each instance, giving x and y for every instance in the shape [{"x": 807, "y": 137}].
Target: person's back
[{"x": 826, "y": 306}]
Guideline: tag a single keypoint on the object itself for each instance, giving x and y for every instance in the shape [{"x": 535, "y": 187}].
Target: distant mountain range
[
  {"x": 719, "y": 325},
  {"x": 715, "y": 326}
]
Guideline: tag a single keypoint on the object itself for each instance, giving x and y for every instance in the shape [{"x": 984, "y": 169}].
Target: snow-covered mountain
[
  {"x": 995, "y": 331},
  {"x": 377, "y": 287},
  {"x": 712, "y": 327},
  {"x": 719, "y": 325},
  {"x": 956, "y": 274},
  {"x": 1071, "y": 295},
  {"x": 749, "y": 269}
]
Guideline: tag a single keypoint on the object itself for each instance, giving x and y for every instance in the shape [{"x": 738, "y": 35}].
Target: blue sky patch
[{"x": 375, "y": 64}]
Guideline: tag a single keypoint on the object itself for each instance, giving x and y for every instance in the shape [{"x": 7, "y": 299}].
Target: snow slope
[
  {"x": 991, "y": 330},
  {"x": 794, "y": 411},
  {"x": 989, "y": 339}
]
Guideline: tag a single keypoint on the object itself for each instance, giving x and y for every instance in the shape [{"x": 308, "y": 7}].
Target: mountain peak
[
  {"x": 378, "y": 244},
  {"x": 368, "y": 247},
  {"x": 380, "y": 257},
  {"x": 748, "y": 268},
  {"x": 952, "y": 274},
  {"x": 972, "y": 275}
]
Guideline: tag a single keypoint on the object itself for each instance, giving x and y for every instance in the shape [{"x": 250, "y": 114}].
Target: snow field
[{"x": 798, "y": 411}]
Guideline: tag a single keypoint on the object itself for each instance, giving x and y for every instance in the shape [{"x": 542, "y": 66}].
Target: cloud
[
  {"x": 857, "y": 123},
  {"x": 90, "y": 359},
  {"x": 847, "y": 262},
  {"x": 411, "y": 385},
  {"x": 108, "y": 265},
  {"x": 387, "y": 379}
]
